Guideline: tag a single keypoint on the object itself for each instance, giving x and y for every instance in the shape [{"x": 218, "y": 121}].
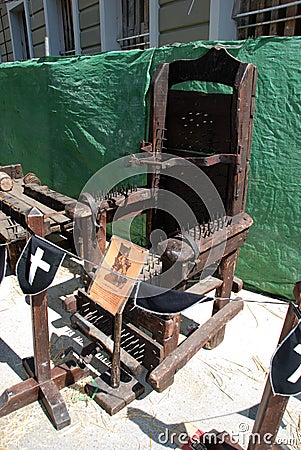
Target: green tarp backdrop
[{"x": 64, "y": 118}]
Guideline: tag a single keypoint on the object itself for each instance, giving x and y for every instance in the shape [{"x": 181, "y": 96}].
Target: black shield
[
  {"x": 38, "y": 264},
  {"x": 285, "y": 371}
]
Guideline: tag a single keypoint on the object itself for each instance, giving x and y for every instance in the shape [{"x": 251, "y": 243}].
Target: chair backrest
[{"x": 192, "y": 124}]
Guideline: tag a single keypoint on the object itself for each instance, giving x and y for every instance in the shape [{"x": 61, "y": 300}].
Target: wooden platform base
[
  {"x": 29, "y": 391},
  {"x": 113, "y": 400}
]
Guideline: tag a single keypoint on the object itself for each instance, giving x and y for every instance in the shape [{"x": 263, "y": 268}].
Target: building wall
[
  {"x": 176, "y": 25},
  {"x": 89, "y": 22}
]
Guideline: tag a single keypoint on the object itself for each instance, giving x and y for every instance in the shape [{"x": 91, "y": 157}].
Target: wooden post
[
  {"x": 39, "y": 313},
  {"x": 226, "y": 273},
  {"x": 272, "y": 407},
  {"x": 115, "y": 370},
  {"x": 50, "y": 395}
]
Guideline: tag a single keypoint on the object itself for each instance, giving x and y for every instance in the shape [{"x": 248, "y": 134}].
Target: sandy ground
[{"x": 218, "y": 389}]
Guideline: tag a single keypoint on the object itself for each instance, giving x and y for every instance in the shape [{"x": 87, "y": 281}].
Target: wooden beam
[
  {"x": 162, "y": 376},
  {"x": 39, "y": 313}
]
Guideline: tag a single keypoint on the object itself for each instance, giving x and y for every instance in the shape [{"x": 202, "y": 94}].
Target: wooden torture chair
[{"x": 213, "y": 132}]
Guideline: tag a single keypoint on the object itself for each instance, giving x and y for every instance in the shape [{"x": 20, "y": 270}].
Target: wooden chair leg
[
  {"x": 171, "y": 343},
  {"x": 226, "y": 273}
]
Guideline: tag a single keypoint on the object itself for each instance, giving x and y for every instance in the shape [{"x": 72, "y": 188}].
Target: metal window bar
[
  {"x": 281, "y": 20},
  {"x": 137, "y": 45},
  {"x": 257, "y": 24},
  {"x": 132, "y": 37},
  {"x": 271, "y": 8}
]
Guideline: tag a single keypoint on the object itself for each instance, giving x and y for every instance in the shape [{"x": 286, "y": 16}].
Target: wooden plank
[
  {"x": 113, "y": 400},
  {"x": 9, "y": 230},
  {"x": 274, "y": 16},
  {"x": 243, "y": 33},
  {"x": 17, "y": 192},
  {"x": 18, "y": 210},
  {"x": 13, "y": 170},
  {"x": 137, "y": 23},
  {"x": 204, "y": 286},
  {"x": 244, "y": 100},
  {"x": 290, "y": 24},
  {"x": 131, "y": 19},
  {"x": 161, "y": 327},
  {"x": 15, "y": 236},
  {"x": 260, "y": 29},
  {"x": 48, "y": 197},
  {"x": 136, "y": 202},
  {"x": 162, "y": 376},
  {"x": 27, "y": 392},
  {"x": 54, "y": 404},
  {"x": 146, "y": 17},
  {"x": 18, "y": 396},
  {"x": 63, "y": 375}
]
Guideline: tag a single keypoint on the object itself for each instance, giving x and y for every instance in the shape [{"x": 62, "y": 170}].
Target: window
[
  {"x": 133, "y": 24},
  {"x": 136, "y": 25},
  {"x": 266, "y": 19},
  {"x": 67, "y": 28},
  {"x": 19, "y": 23},
  {"x": 62, "y": 25},
  {"x": 4, "y": 55}
]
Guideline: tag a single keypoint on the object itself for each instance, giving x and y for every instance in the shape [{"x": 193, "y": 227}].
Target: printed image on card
[{"x": 116, "y": 275}]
